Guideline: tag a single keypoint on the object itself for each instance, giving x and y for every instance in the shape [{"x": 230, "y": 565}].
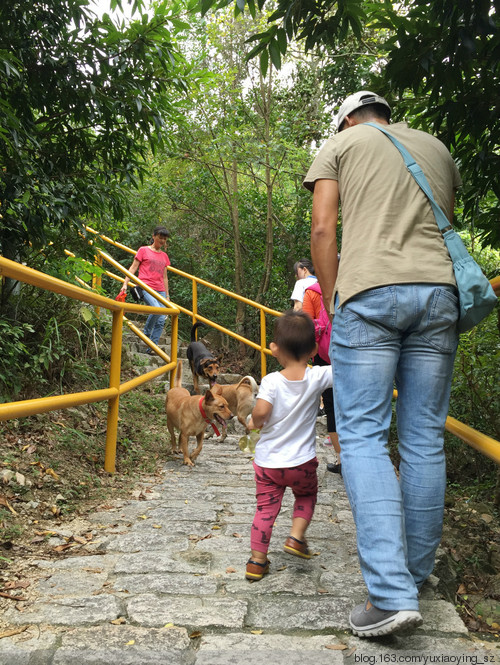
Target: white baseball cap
[{"x": 356, "y": 101}]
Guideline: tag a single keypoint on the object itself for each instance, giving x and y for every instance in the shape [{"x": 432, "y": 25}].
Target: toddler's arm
[{"x": 260, "y": 414}]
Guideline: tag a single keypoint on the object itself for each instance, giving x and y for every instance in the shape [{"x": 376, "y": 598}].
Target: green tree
[
  {"x": 232, "y": 190},
  {"x": 82, "y": 100},
  {"x": 439, "y": 62}
]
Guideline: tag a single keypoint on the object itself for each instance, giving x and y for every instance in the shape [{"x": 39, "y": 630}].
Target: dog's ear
[{"x": 209, "y": 396}]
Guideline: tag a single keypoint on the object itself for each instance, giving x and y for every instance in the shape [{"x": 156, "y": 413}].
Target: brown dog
[
  {"x": 241, "y": 399},
  {"x": 203, "y": 363},
  {"x": 190, "y": 415}
]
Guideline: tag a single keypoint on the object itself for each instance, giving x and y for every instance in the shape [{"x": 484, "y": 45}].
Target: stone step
[{"x": 162, "y": 581}]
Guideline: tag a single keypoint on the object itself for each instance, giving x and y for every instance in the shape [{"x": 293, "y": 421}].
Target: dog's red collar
[{"x": 206, "y": 419}]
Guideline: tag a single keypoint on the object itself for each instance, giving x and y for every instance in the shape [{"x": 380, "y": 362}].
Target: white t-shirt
[
  {"x": 300, "y": 286},
  {"x": 289, "y": 437}
]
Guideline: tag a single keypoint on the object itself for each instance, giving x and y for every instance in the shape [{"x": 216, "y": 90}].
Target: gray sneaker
[{"x": 375, "y": 622}]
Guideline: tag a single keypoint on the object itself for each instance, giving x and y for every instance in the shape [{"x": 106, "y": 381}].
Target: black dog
[{"x": 202, "y": 362}]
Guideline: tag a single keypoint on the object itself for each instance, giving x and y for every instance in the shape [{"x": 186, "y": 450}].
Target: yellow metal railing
[
  {"x": 193, "y": 313},
  {"x": 116, "y": 388},
  {"x": 481, "y": 442},
  {"x": 263, "y": 310}
]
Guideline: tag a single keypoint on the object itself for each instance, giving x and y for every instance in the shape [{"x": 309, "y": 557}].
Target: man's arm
[{"x": 325, "y": 212}]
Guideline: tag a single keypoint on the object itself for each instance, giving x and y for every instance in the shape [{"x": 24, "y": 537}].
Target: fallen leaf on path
[
  {"x": 231, "y": 570},
  {"x": 79, "y": 539},
  {"x": 215, "y": 527},
  {"x": 119, "y": 621},
  {"x": 169, "y": 625},
  {"x": 14, "y": 631},
  {"x": 52, "y": 473},
  {"x": 20, "y": 584},
  {"x": 129, "y": 643},
  {"x": 6, "y": 595},
  {"x": 195, "y": 634},
  {"x": 256, "y": 632},
  {"x": 4, "y": 502},
  {"x": 336, "y": 647}
]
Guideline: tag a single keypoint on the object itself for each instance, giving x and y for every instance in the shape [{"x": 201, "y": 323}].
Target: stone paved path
[{"x": 168, "y": 570}]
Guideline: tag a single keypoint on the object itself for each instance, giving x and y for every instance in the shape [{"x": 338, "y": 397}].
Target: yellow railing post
[
  {"x": 97, "y": 281},
  {"x": 195, "y": 299},
  {"x": 173, "y": 346},
  {"x": 263, "y": 343},
  {"x": 114, "y": 382}
]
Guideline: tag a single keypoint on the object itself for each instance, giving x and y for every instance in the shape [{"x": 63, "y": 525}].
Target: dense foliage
[
  {"x": 82, "y": 100},
  {"x": 437, "y": 62}
]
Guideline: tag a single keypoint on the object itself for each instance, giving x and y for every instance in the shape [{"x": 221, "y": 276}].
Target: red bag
[
  {"x": 121, "y": 296},
  {"x": 322, "y": 327}
]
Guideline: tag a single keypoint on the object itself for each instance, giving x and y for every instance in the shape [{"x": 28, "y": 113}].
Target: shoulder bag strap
[{"x": 442, "y": 221}]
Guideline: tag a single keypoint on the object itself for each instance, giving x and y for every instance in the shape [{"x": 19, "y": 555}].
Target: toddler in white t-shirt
[{"x": 285, "y": 455}]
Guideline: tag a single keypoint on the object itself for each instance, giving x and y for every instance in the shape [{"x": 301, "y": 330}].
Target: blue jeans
[
  {"x": 404, "y": 334},
  {"x": 154, "y": 322}
]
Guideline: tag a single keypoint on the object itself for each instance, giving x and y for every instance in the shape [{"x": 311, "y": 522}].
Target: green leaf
[
  {"x": 275, "y": 54},
  {"x": 282, "y": 40},
  {"x": 264, "y": 62}
]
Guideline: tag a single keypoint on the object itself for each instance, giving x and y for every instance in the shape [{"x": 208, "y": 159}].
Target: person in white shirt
[
  {"x": 304, "y": 274},
  {"x": 285, "y": 455}
]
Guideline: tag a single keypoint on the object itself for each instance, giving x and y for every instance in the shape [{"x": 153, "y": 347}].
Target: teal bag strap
[{"x": 442, "y": 221}]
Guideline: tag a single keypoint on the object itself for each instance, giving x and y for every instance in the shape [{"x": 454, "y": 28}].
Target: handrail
[
  {"x": 116, "y": 388},
  {"x": 481, "y": 442},
  {"x": 261, "y": 347}
]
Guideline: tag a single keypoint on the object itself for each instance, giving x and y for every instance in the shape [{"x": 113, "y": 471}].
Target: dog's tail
[
  {"x": 250, "y": 381},
  {"x": 194, "y": 328},
  {"x": 178, "y": 375}
]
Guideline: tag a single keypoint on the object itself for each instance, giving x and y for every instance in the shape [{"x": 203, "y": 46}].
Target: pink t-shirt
[{"x": 152, "y": 266}]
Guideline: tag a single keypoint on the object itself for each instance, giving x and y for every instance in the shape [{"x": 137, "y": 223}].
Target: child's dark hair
[
  {"x": 303, "y": 263},
  {"x": 294, "y": 334},
  {"x": 161, "y": 231}
]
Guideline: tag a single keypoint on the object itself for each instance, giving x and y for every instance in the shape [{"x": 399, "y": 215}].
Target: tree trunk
[
  {"x": 238, "y": 262},
  {"x": 266, "y": 92}
]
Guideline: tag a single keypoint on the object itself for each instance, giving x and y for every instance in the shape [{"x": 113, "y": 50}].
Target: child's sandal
[
  {"x": 256, "y": 570},
  {"x": 297, "y": 547}
]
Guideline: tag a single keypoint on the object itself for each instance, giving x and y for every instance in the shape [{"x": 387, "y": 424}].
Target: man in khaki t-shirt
[{"x": 396, "y": 309}]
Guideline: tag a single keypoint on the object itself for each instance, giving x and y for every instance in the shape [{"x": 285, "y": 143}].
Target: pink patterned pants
[{"x": 271, "y": 486}]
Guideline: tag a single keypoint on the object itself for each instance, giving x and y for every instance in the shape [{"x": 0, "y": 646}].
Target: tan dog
[
  {"x": 190, "y": 415},
  {"x": 241, "y": 399}
]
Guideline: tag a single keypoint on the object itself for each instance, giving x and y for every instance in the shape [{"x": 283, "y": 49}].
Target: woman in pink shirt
[{"x": 152, "y": 263}]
